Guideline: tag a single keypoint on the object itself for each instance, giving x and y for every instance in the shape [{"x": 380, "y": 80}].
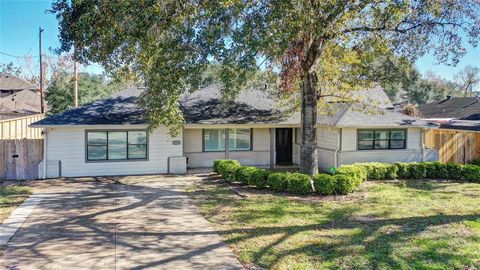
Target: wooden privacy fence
[
  {"x": 19, "y": 159},
  {"x": 17, "y": 128},
  {"x": 454, "y": 146}
]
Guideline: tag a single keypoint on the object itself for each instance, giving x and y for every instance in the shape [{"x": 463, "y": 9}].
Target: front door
[{"x": 283, "y": 145}]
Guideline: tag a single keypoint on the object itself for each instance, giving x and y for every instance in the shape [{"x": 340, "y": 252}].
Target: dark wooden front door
[{"x": 283, "y": 145}]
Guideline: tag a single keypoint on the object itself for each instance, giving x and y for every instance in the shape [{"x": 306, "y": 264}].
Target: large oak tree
[{"x": 170, "y": 43}]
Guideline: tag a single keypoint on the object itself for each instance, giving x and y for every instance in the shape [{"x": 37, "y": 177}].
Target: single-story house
[
  {"x": 457, "y": 138},
  {"x": 110, "y": 137}
]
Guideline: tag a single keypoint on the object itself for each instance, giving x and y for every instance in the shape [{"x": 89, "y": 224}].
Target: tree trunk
[{"x": 308, "y": 148}]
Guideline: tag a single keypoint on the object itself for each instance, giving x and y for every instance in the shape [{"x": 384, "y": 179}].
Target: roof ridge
[{"x": 343, "y": 114}]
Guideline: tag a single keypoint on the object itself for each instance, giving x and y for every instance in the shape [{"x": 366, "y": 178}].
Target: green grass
[
  {"x": 384, "y": 225},
  {"x": 10, "y": 198}
]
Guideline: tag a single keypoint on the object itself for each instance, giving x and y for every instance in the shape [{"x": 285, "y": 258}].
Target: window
[
  {"x": 238, "y": 139},
  {"x": 381, "y": 139},
  {"x": 214, "y": 140},
  {"x": 116, "y": 145}
]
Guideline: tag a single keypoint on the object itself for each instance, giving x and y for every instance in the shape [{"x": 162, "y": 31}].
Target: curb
[{"x": 11, "y": 225}]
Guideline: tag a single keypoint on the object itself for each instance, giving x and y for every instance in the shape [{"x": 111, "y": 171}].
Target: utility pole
[
  {"x": 42, "y": 107},
  {"x": 75, "y": 78}
]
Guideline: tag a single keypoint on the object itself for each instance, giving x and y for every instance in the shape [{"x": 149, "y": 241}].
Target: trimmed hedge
[
  {"x": 415, "y": 170},
  {"x": 227, "y": 169},
  {"x": 259, "y": 178},
  {"x": 299, "y": 183},
  {"x": 471, "y": 173},
  {"x": 379, "y": 171},
  {"x": 244, "y": 174},
  {"x": 358, "y": 172},
  {"x": 347, "y": 177},
  {"x": 324, "y": 184},
  {"x": 278, "y": 181},
  {"x": 345, "y": 184}
]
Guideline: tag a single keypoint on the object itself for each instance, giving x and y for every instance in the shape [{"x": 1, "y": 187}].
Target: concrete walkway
[{"x": 116, "y": 223}]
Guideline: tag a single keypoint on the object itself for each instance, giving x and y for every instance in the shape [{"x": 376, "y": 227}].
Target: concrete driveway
[{"x": 134, "y": 222}]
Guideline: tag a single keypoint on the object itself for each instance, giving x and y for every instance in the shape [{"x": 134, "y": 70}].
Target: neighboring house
[
  {"x": 458, "y": 136},
  {"x": 10, "y": 84},
  {"x": 18, "y": 97},
  {"x": 110, "y": 137}
]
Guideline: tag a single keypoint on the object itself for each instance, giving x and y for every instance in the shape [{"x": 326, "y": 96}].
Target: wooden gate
[
  {"x": 19, "y": 159},
  {"x": 454, "y": 146}
]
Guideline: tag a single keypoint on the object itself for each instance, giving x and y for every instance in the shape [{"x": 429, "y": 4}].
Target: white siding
[
  {"x": 197, "y": 159},
  {"x": 68, "y": 146},
  {"x": 327, "y": 138},
  {"x": 349, "y": 153},
  {"x": 327, "y": 142}
]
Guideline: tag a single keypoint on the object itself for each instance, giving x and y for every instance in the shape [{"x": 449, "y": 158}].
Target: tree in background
[
  {"x": 10, "y": 68},
  {"x": 169, "y": 44},
  {"x": 59, "y": 94},
  {"x": 467, "y": 80}
]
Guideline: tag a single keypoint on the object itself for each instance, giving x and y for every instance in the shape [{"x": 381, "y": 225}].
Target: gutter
[
  {"x": 45, "y": 154},
  {"x": 423, "y": 144}
]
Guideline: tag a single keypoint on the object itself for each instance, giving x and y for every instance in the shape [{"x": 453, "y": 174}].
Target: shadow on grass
[{"x": 370, "y": 243}]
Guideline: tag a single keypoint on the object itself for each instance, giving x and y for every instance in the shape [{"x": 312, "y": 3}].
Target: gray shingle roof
[
  {"x": 206, "y": 106},
  {"x": 14, "y": 83},
  {"x": 118, "y": 109},
  {"x": 24, "y": 101},
  {"x": 461, "y": 125},
  {"x": 466, "y": 108}
]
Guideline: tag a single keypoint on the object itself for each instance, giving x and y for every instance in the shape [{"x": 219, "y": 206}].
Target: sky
[{"x": 20, "y": 20}]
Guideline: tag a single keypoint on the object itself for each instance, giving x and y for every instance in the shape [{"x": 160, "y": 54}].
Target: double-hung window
[
  {"x": 238, "y": 139},
  {"x": 116, "y": 145},
  {"x": 381, "y": 139}
]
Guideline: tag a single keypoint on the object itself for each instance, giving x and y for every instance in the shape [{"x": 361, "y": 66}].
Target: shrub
[
  {"x": 417, "y": 170},
  {"x": 278, "y": 181},
  {"x": 379, "y": 171},
  {"x": 403, "y": 170},
  {"x": 216, "y": 163},
  {"x": 436, "y": 170},
  {"x": 357, "y": 171},
  {"x": 244, "y": 174},
  {"x": 221, "y": 164},
  {"x": 454, "y": 171},
  {"x": 345, "y": 184},
  {"x": 471, "y": 173},
  {"x": 475, "y": 162},
  {"x": 299, "y": 183},
  {"x": 324, "y": 183},
  {"x": 227, "y": 169},
  {"x": 259, "y": 178}
]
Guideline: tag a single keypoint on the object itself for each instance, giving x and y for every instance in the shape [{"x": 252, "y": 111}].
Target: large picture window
[
  {"x": 381, "y": 139},
  {"x": 116, "y": 145},
  {"x": 238, "y": 139}
]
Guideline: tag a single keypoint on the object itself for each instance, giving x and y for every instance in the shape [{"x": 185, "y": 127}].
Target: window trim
[
  {"x": 127, "y": 144},
  {"x": 388, "y": 140},
  {"x": 226, "y": 137}
]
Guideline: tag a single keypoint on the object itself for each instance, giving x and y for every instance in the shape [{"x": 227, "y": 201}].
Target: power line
[
  {"x": 17, "y": 56},
  {"x": 31, "y": 46}
]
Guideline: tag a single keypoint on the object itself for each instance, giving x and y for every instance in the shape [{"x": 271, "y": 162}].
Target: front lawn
[
  {"x": 10, "y": 198},
  {"x": 383, "y": 225}
]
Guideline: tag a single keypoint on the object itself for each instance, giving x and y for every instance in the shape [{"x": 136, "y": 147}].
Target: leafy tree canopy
[
  {"x": 170, "y": 44},
  {"x": 59, "y": 94}
]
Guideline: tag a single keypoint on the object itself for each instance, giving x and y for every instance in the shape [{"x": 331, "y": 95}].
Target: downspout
[
  {"x": 227, "y": 143},
  {"x": 423, "y": 144},
  {"x": 337, "y": 149},
  {"x": 44, "y": 176}
]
